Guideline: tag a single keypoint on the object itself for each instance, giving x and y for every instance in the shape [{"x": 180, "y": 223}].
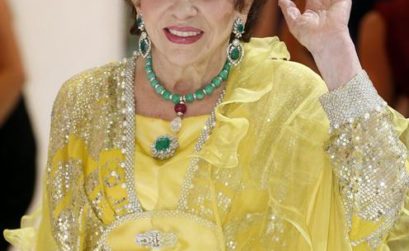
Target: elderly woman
[{"x": 205, "y": 140}]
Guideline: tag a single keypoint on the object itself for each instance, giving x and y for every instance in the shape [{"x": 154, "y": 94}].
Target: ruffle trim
[
  {"x": 24, "y": 237},
  {"x": 221, "y": 149}
]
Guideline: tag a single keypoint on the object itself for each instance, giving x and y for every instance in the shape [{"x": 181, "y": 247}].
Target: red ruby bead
[{"x": 180, "y": 108}]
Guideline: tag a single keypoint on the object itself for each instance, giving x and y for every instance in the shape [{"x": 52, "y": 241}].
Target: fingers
[{"x": 289, "y": 10}]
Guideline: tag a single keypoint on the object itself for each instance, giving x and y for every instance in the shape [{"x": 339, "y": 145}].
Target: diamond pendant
[
  {"x": 164, "y": 147},
  {"x": 176, "y": 124}
]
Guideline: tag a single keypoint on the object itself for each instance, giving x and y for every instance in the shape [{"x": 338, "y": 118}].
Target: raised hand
[
  {"x": 323, "y": 30},
  {"x": 322, "y": 20}
]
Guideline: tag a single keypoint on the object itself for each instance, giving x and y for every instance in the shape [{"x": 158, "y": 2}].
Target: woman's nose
[{"x": 184, "y": 9}]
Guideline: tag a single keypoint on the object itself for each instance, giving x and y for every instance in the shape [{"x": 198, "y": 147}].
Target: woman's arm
[
  {"x": 323, "y": 30},
  {"x": 11, "y": 67},
  {"x": 365, "y": 149},
  {"x": 298, "y": 52}
]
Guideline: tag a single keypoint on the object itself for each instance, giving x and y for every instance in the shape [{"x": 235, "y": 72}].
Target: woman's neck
[{"x": 187, "y": 78}]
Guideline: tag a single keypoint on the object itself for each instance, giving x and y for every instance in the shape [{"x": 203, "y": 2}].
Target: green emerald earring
[
  {"x": 235, "y": 51},
  {"x": 144, "y": 43}
]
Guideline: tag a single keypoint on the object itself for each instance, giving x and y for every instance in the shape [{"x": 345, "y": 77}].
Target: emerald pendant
[
  {"x": 164, "y": 147},
  {"x": 144, "y": 45},
  {"x": 235, "y": 52}
]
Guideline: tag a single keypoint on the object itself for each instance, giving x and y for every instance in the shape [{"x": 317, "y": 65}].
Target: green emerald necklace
[{"x": 165, "y": 146}]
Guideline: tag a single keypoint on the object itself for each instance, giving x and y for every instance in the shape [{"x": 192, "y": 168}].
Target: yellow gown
[{"x": 264, "y": 179}]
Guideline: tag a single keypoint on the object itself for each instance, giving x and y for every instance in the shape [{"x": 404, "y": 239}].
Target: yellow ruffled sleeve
[
  {"x": 339, "y": 186},
  {"x": 35, "y": 232},
  {"x": 32, "y": 235},
  {"x": 368, "y": 150}
]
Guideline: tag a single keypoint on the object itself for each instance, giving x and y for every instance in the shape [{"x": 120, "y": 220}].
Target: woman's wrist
[{"x": 337, "y": 61}]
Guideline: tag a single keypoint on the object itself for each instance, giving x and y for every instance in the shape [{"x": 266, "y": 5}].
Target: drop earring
[
  {"x": 235, "y": 51},
  {"x": 144, "y": 43}
]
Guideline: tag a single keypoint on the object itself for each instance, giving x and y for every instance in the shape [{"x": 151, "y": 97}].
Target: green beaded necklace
[
  {"x": 191, "y": 97},
  {"x": 165, "y": 146}
]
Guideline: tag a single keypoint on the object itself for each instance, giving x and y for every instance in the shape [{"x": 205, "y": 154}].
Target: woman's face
[{"x": 186, "y": 32}]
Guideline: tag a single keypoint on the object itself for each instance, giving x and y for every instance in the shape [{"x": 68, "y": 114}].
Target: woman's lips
[{"x": 183, "y": 35}]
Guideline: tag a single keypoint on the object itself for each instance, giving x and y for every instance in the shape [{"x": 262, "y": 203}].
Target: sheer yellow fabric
[
  {"x": 158, "y": 186},
  {"x": 265, "y": 181}
]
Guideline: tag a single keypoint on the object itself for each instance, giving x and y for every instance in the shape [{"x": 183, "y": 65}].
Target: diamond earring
[
  {"x": 144, "y": 43},
  {"x": 235, "y": 51}
]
